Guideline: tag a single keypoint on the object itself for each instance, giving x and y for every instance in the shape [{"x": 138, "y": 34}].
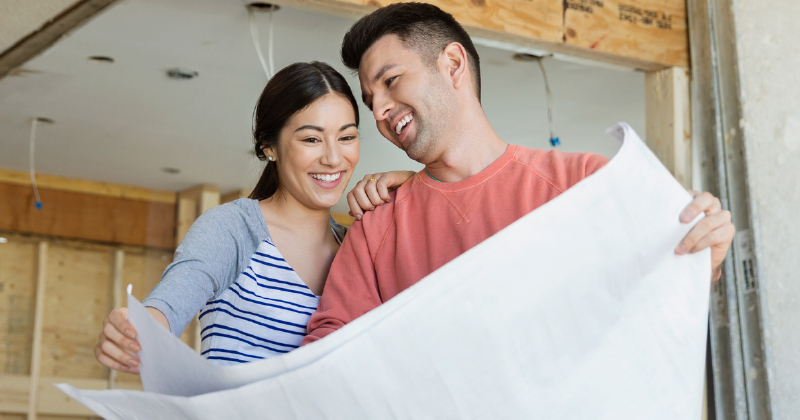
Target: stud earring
[{"x": 271, "y": 159}]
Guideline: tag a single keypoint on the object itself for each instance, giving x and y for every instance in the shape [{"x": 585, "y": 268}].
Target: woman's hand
[
  {"x": 117, "y": 347},
  {"x": 373, "y": 191}
]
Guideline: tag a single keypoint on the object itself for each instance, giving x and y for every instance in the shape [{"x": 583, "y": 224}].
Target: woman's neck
[{"x": 283, "y": 211}]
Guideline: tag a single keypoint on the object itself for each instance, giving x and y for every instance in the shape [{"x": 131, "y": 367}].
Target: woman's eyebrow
[
  {"x": 346, "y": 126},
  {"x": 310, "y": 127}
]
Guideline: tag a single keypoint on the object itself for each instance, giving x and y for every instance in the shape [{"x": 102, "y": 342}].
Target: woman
[{"x": 256, "y": 267}]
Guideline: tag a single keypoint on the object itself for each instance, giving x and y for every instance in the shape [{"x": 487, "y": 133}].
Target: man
[{"x": 420, "y": 76}]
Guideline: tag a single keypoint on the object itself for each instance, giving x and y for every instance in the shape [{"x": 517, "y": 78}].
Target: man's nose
[{"x": 381, "y": 107}]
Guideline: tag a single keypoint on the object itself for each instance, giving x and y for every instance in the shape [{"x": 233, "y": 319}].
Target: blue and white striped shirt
[{"x": 254, "y": 305}]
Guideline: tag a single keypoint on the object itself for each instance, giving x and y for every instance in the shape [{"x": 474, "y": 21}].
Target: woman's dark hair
[
  {"x": 421, "y": 27},
  {"x": 288, "y": 92}
]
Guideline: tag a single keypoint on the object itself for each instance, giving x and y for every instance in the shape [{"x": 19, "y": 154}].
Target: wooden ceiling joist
[{"x": 642, "y": 34}]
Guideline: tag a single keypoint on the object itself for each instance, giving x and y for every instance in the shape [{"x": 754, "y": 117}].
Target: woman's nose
[{"x": 333, "y": 154}]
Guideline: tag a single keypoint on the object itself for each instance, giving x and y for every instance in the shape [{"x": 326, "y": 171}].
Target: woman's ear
[
  {"x": 269, "y": 152},
  {"x": 454, "y": 59}
]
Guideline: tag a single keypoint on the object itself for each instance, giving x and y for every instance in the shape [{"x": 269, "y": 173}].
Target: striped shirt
[
  {"x": 263, "y": 314},
  {"x": 252, "y": 304}
]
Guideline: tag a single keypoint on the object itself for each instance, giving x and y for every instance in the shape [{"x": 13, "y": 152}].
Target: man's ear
[{"x": 455, "y": 61}]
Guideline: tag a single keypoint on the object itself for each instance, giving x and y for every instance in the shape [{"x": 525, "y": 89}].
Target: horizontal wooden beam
[
  {"x": 641, "y": 34},
  {"x": 33, "y": 44},
  {"x": 50, "y": 400},
  {"x": 100, "y": 218},
  {"x": 88, "y": 187}
]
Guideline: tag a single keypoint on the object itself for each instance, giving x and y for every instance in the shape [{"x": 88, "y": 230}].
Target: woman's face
[{"x": 317, "y": 152}]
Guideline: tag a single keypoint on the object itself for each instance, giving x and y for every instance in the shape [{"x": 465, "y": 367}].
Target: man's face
[{"x": 412, "y": 103}]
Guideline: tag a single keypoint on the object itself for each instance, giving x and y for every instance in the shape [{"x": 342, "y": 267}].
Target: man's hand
[{"x": 715, "y": 231}]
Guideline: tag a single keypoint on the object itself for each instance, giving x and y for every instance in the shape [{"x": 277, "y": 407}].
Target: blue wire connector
[
  {"x": 38, "y": 205},
  {"x": 554, "y": 141}
]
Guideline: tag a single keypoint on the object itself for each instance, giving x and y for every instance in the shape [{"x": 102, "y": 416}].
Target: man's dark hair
[{"x": 422, "y": 27}]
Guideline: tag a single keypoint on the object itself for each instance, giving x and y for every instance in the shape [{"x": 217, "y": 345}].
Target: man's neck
[{"x": 468, "y": 151}]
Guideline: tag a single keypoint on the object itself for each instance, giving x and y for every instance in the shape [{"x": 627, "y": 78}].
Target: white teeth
[
  {"x": 326, "y": 177},
  {"x": 403, "y": 123}
]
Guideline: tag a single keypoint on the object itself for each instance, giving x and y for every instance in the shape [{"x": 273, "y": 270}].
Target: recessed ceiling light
[
  {"x": 172, "y": 171},
  {"x": 263, "y": 6},
  {"x": 42, "y": 120},
  {"x": 525, "y": 57},
  {"x": 178, "y": 73},
  {"x": 101, "y": 59}
]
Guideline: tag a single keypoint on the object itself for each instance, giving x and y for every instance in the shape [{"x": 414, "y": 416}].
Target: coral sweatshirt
[{"x": 428, "y": 223}]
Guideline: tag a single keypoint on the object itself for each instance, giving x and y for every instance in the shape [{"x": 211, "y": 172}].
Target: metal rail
[{"x": 740, "y": 384}]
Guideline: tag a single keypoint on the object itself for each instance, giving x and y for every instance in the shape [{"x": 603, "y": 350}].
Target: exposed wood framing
[
  {"x": 14, "y": 394},
  {"x": 641, "y": 34},
  {"x": 36, "y": 357},
  {"x": 33, "y": 44},
  {"x": 86, "y": 216},
  {"x": 88, "y": 187},
  {"x": 234, "y": 195},
  {"x": 191, "y": 204},
  {"x": 651, "y": 30},
  {"x": 668, "y": 117},
  {"x": 116, "y": 299}
]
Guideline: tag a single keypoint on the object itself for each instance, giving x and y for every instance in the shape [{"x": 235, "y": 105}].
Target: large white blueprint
[{"x": 579, "y": 310}]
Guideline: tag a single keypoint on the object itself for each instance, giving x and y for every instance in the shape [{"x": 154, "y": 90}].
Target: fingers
[
  {"x": 705, "y": 233},
  {"x": 717, "y": 237},
  {"x": 371, "y": 190},
  {"x": 119, "y": 319},
  {"x": 355, "y": 209},
  {"x": 702, "y": 203},
  {"x": 106, "y": 360},
  {"x": 116, "y": 347}
]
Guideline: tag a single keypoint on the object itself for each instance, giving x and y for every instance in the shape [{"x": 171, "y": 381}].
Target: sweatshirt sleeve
[
  {"x": 205, "y": 263},
  {"x": 351, "y": 289}
]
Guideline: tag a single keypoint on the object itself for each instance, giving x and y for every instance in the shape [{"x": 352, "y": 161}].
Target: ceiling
[{"x": 123, "y": 122}]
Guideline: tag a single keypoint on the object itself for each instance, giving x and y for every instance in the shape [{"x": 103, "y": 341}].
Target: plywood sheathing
[
  {"x": 648, "y": 30},
  {"x": 642, "y": 34}
]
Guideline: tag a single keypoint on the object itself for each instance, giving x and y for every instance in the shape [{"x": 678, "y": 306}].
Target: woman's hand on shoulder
[{"x": 373, "y": 191}]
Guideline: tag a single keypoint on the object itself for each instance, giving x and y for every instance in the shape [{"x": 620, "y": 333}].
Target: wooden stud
[
  {"x": 84, "y": 186},
  {"x": 191, "y": 204},
  {"x": 116, "y": 299},
  {"x": 668, "y": 118},
  {"x": 234, "y": 195},
  {"x": 41, "y": 275}
]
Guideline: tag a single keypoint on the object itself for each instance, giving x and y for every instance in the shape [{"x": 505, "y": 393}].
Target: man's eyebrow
[
  {"x": 310, "y": 127},
  {"x": 383, "y": 70}
]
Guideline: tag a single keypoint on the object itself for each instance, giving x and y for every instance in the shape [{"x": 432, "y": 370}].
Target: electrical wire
[
  {"x": 269, "y": 45},
  {"x": 257, "y": 44},
  {"x": 32, "y": 149},
  {"x": 554, "y": 140}
]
